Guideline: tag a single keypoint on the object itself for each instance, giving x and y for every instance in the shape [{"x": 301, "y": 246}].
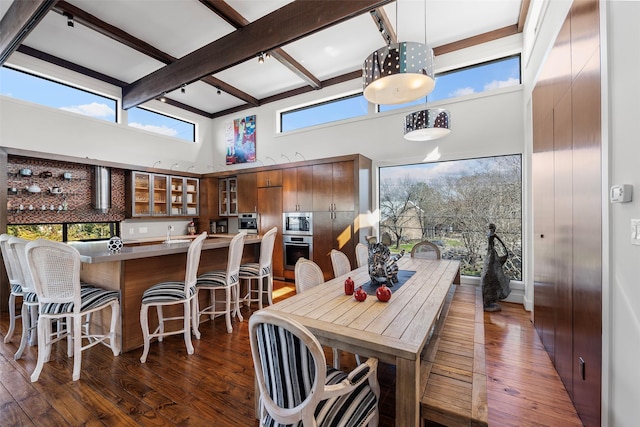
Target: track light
[
  {"x": 163, "y": 98},
  {"x": 175, "y": 165},
  {"x": 267, "y": 55},
  {"x": 183, "y": 88},
  {"x": 69, "y": 19},
  {"x": 261, "y": 58},
  {"x": 219, "y": 92}
]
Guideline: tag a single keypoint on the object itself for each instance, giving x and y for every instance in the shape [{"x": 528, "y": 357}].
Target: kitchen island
[{"x": 135, "y": 268}]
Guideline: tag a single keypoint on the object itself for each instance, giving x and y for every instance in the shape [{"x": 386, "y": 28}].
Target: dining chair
[
  {"x": 55, "y": 270},
  {"x": 340, "y": 262},
  {"x": 307, "y": 275},
  {"x": 173, "y": 293},
  {"x": 298, "y": 388},
  {"x": 362, "y": 254},
  {"x": 259, "y": 271},
  {"x": 29, "y": 312},
  {"x": 15, "y": 292},
  {"x": 227, "y": 281},
  {"x": 425, "y": 250}
]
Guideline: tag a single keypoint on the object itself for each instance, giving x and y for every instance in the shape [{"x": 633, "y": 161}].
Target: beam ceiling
[{"x": 283, "y": 26}]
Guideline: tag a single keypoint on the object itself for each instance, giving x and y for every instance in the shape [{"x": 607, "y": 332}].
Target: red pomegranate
[
  {"x": 360, "y": 294},
  {"x": 383, "y": 293}
]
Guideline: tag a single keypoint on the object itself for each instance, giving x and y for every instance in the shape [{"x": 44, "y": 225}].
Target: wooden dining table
[{"x": 394, "y": 332}]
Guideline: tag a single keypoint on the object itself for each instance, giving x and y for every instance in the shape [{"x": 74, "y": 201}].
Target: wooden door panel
[
  {"x": 322, "y": 187},
  {"x": 343, "y": 186},
  {"x": 289, "y": 190},
  {"x": 305, "y": 188},
  {"x": 270, "y": 210},
  {"x": 323, "y": 241},
  {"x": 247, "y": 192}
]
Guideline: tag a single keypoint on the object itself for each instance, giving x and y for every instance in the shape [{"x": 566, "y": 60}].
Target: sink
[{"x": 177, "y": 241}]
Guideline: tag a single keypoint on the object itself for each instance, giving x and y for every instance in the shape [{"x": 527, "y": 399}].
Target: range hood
[{"x": 101, "y": 197}]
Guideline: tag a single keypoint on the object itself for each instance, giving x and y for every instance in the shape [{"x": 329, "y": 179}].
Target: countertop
[{"x": 97, "y": 252}]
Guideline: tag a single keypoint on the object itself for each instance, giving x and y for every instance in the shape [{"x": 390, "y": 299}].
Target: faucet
[{"x": 169, "y": 230}]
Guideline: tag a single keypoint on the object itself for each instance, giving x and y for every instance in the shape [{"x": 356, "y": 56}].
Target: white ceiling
[{"x": 179, "y": 27}]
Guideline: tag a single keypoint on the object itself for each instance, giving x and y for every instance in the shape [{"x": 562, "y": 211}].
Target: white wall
[{"x": 621, "y": 326}]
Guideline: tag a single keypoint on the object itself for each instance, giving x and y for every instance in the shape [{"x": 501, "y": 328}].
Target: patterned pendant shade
[{"x": 428, "y": 124}]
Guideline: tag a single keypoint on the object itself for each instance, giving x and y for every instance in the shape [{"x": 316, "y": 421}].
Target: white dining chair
[
  {"x": 174, "y": 293},
  {"x": 340, "y": 262},
  {"x": 426, "y": 250},
  {"x": 227, "y": 281},
  {"x": 362, "y": 254},
  {"x": 259, "y": 271},
  {"x": 296, "y": 385},
  {"x": 55, "y": 269}
]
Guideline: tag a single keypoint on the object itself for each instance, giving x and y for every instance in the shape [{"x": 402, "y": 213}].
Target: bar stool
[
  {"x": 29, "y": 297},
  {"x": 258, "y": 271},
  {"x": 55, "y": 269},
  {"x": 224, "y": 280},
  {"x": 173, "y": 293},
  {"x": 11, "y": 267}
]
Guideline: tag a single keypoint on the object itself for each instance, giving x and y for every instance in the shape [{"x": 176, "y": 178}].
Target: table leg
[{"x": 407, "y": 392}]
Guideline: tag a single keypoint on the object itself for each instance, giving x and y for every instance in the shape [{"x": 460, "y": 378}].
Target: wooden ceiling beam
[
  {"x": 17, "y": 23},
  {"x": 229, "y": 14},
  {"x": 476, "y": 40},
  {"x": 285, "y": 25}
]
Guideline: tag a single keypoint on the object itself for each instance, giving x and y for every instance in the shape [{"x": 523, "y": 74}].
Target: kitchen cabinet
[
  {"x": 333, "y": 230},
  {"x": 184, "y": 196},
  {"x": 149, "y": 194},
  {"x": 334, "y": 187},
  {"x": 297, "y": 189},
  {"x": 228, "y": 196},
  {"x": 247, "y": 192},
  {"x": 270, "y": 209},
  {"x": 162, "y": 195},
  {"x": 270, "y": 178}
]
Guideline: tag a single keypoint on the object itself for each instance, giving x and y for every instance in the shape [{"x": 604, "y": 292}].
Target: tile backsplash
[{"x": 62, "y": 198}]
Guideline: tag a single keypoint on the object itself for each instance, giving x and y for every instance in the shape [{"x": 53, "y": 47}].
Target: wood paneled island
[{"x": 135, "y": 268}]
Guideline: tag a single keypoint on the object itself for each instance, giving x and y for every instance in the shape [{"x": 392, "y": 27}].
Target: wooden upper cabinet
[
  {"x": 297, "y": 189},
  {"x": 272, "y": 178},
  {"x": 333, "y": 187},
  {"x": 247, "y": 192}
]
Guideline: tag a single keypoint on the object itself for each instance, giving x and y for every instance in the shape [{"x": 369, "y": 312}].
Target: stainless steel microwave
[
  {"x": 297, "y": 223},
  {"x": 248, "y": 222}
]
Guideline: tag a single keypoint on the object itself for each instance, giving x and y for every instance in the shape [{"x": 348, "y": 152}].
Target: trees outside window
[{"x": 451, "y": 204}]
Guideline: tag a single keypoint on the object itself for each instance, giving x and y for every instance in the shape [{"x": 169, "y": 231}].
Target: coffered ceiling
[{"x": 203, "y": 54}]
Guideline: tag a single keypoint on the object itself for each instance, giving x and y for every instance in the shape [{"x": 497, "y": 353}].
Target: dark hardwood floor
[{"x": 214, "y": 386}]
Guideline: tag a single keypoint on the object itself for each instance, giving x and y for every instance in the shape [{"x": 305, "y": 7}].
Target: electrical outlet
[
  {"x": 581, "y": 367},
  {"x": 142, "y": 230}
]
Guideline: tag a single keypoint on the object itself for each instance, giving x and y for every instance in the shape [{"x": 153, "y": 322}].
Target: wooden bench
[{"x": 453, "y": 378}]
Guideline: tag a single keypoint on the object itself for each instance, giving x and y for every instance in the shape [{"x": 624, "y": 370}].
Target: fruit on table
[
  {"x": 383, "y": 293},
  {"x": 360, "y": 294}
]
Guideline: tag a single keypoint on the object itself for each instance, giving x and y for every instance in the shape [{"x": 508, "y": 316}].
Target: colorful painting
[{"x": 241, "y": 140}]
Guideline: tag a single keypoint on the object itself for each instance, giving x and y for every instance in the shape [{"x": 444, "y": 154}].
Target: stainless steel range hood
[{"x": 101, "y": 197}]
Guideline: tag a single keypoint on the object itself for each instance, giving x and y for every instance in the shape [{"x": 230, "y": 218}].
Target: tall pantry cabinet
[{"x": 567, "y": 208}]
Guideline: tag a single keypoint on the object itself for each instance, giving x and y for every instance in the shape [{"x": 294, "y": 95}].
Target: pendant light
[
  {"x": 430, "y": 123},
  {"x": 427, "y": 124},
  {"x": 399, "y": 72}
]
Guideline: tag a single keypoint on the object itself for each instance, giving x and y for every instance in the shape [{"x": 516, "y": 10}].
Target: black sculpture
[
  {"x": 383, "y": 268},
  {"x": 495, "y": 284}
]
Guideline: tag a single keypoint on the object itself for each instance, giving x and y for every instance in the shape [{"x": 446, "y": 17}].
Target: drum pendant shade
[{"x": 398, "y": 73}]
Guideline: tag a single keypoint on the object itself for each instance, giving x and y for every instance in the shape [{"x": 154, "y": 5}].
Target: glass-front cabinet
[
  {"x": 228, "y": 196},
  {"x": 163, "y": 195},
  {"x": 184, "y": 196}
]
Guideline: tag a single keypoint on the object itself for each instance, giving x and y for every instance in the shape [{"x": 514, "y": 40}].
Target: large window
[
  {"x": 477, "y": 78},
  {"x": 28, "y": 87},
  {"x": 326, "y": 112},
  {"x": 142, "y": 118},
  {"x": 66, "y": 232},
  {"x": 451, "y": 204}
]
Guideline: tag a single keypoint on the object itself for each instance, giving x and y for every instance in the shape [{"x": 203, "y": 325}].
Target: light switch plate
[{"x": 635, "y": 232}]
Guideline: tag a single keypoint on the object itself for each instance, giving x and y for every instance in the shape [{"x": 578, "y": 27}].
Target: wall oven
[
  {"x": 296, "y": 247},
  {"x": 297, "y": 223}
]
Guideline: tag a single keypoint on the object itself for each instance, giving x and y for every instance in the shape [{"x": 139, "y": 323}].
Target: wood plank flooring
[{"x": 214, "y": 386}]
